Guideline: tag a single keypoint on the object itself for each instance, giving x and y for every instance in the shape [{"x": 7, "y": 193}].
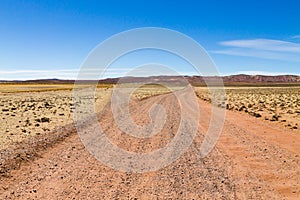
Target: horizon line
[{"x": 224, "y": 75}]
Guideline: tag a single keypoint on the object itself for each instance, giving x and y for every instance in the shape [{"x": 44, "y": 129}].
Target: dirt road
[{"x": 253, "y": 159}]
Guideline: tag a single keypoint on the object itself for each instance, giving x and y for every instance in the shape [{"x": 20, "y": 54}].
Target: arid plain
[{"x": 257, "y": 156}]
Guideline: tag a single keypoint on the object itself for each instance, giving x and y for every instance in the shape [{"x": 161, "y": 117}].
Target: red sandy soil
[{"x": 253, "y": 159}]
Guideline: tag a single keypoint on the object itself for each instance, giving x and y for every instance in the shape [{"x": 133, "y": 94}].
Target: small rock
[
  {"x": 257, "y": 115},
  {"x": 45, "y": 119},
  {"x": 275, "y": 118},
  {"x": 241, "y": 108}
]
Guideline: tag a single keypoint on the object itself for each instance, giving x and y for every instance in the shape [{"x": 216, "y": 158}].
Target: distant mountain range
[
  {"x": 194, "y": 80},
  {"x": 262, "y": 79}
]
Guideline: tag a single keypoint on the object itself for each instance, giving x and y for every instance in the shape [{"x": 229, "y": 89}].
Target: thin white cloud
[
  {"x": 88, "y": 73},
  {"x": 259, "y": 54},
  {"x": 36, "y": 71},
  {"x": 60, "y": 73},
  {"x": 264, "y": 44},
  {"x": 262, "y": 48},
  {"x": 296, "y": 36}
]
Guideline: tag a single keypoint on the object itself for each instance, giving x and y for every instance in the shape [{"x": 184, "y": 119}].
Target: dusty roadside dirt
[{"x": 252, "y": 160}]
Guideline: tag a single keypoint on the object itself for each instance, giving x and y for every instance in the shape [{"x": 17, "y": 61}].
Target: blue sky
[{"x": 51, "y": 39}]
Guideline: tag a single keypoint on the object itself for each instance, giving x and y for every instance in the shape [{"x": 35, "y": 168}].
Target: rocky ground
[
  {"x": 26, "y": 111},
  {"x": 276, "y": 104},
  {"x": 27, "y": 114},
  {"x": 253, "y": 159}
]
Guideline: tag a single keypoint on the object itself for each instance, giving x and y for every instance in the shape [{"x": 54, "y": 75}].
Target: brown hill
[
  {"x": 262, "y": 79},
  {"x": 194, "y": 80}
]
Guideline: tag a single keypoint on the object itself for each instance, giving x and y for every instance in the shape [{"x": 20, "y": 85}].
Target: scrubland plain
[
  {"x": 151, "y": 90},
  {"x": 34, "y": 109},
  {"x": 30, "y": 110},
  {"x": 276, "y": 104}
]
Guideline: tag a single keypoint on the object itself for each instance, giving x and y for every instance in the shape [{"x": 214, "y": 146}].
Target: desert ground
[
  {"x": 256, "y": 157},
  {"x": 29, "y": 110},
  {"x": 276, "y": 104}
]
